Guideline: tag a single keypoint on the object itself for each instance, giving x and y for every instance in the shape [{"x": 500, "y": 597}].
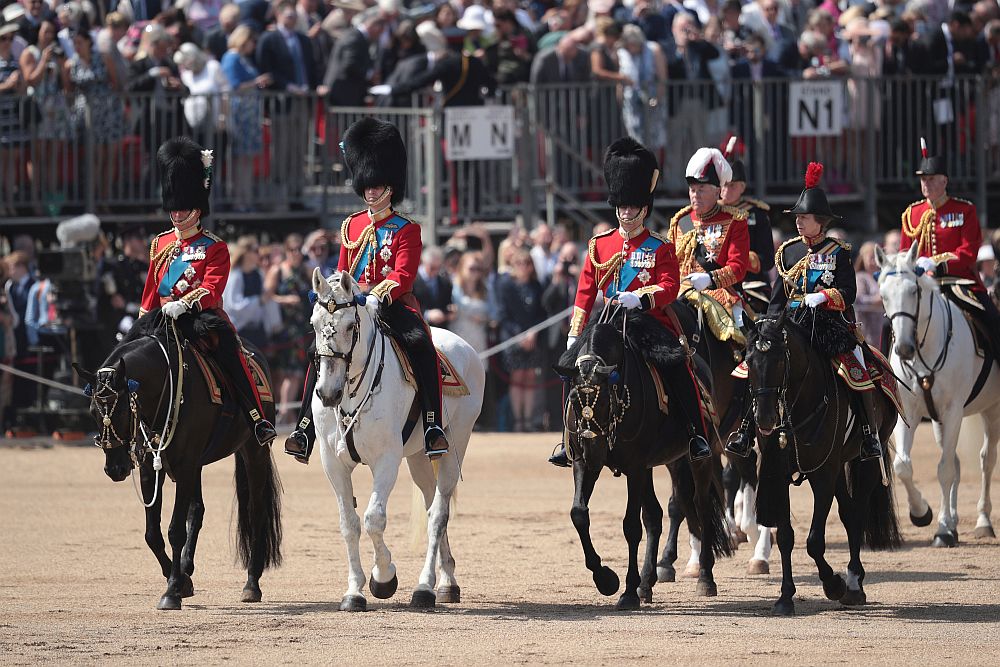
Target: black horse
[
  {"x": 614, "y": 419},
  {"x": 728, "y": 392},
  {"x": 134, "y": 399},
  {"x": 808, "y": 429}
]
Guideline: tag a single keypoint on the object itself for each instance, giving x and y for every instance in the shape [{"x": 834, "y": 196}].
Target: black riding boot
[
  {"x": 559, "y": 457},
  {"x": 741, "y": 440},
  {"x": 690, "y": 405},
  {"x": 423, "y": 358},
  {"x": 300, "y": 443},
  {"x": 871, "y": 448},
  {"x": 228, "y": 357}
]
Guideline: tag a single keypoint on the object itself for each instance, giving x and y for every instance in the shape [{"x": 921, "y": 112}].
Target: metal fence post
[
  {"x": 867, "y": 157},
  {"x": 981, "y": 146},
  {"x": 759, "y": 134},
  {"x": 90, "y": 203},
  {"x": 523, "y": 103},
  {"x": 432, "y": 140}
]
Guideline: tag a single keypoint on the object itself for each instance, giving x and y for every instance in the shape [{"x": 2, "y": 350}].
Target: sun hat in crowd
[
  {"x": 474, "y": 18},
  {"x": 13, "y": 13}
]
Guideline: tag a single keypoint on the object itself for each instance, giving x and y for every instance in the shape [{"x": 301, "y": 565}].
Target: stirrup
[
  {"x": 297, "y": 445},
  {"x": 559, "y": 458},
  {"x": 264, "y": 431},
  {"x": 436, "y": 435},
  {"x": 739, "y": 442},
  {"x": 871, "y": 448},
  {"x": 698, "y": 448}
]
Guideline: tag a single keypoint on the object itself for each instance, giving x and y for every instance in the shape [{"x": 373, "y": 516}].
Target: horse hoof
[
  {"x": 628, "y": 602},
  {"x": 665, "y": 575},
  {"x": 187, "y": 587},
  {"x": 757, "y": 566},
  {"x": 740, "y": 536},
  {"x": 251, "y": 594},
  {"x": 448, "y": 594},
  {"x": 985, "y": 532},
  {"x": 924, "y": 520},
  {"x": 853, "y": 598},
  {"x": 784, "y": 607},
  {"x": 169, "y": 603},
  {"x": 706, "y": 589},
  {"x": 606, "y": 581},
  {"x": 645, "y": 594},
  {"x": 422, "y": 599},
  {"x": 692, "y": 571},
  {"x": 354, "y": 603},
  {"x": 947, "y": 539},
  {"x": 834, "y": 588},
  {"x": 383, "y": 590}
]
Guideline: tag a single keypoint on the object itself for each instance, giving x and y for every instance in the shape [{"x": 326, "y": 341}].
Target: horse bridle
[
  {"x": 106, "y": 399},
  {"x": 942, "y": 357},
  {"x": 583, "y": 398}
]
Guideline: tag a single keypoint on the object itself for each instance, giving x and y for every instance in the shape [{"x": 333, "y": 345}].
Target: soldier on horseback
[
  {"x": 947, "y": 232},
  {"x": 381, "y": 250},
  {"x": 713, "y": 246},
  {"x": 189, "y": 267},
  {"x": 816, "y": 275},
  {"x": 636, "y": 268},
  {"x": 757, "y": 283}
]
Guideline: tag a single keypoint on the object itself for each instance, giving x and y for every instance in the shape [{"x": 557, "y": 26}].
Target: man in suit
[
  {"x": 903, "y": 54},
  {"x": 433, "y": 288},
  {"x": 35, "y": 12},
  {"x": 18, "y": 288},
  {"x": 350, "y": 66},
  {"x": 565, "y": 62},
  {"x": 405, "y": 70},
  {"x": 286, "y": 55},
  {"x": 952, "y": 48},
  {"x": 217, "y": 41},
  {"x": 781, "y": 40}
]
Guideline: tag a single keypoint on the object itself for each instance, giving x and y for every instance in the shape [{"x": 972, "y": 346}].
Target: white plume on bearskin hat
[
  {"x": 708, "y": 165},
  {"x": 375, "y": 156},
  {"x": 185, "y": 175}
]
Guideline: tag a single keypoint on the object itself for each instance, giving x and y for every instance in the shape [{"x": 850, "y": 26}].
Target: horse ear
[
  {"x": 320, "y": 286},
  {"x": 879, "y": 256},
  {"x": 346, "y": 282},
  {"x": 781, "y": 319},
  {"x": 121, "y": 375},
  {"x": 912, "y": 254},
  {"x": 85, "y": 375}
]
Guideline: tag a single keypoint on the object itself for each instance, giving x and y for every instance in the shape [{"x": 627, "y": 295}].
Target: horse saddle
[
  {"x": 215, "y": 379},
  {"x": 452, "y": 383}
]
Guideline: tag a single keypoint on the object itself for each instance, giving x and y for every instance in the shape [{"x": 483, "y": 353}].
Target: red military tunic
[
  {"x": 644, "y": 264},
  {"x": 950, "y": 227},
  {"x": 718, "y": 245},
  {"x": 382, "y": 255},
  {"x": 190, "y": 266}
]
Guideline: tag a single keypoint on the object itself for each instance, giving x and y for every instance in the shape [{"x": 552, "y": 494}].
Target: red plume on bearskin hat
[{"x": 375, "y": 156}]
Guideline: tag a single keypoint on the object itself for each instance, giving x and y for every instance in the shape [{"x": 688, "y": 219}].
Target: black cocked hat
[{"x": 812, "y": 200}]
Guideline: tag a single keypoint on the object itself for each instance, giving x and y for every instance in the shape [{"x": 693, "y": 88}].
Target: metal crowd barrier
[{"x": 277, "y": 151}]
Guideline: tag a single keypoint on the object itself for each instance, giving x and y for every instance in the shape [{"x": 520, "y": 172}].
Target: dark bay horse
[
  {"x": 151, "y": 395},
  {"x": 808, "y": 428},
  {"x": 614, "y": 419}
]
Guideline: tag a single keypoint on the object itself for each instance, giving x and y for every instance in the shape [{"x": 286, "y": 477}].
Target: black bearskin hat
[
  {"x": 185, "y": 175},
  {"x": 813, "y": 198},
  {"x": 375, "y": 155},
  {"x": 631, "y": 173},
  {"x": 739, "y": 171},
  {"x": 930, "y": 165}
]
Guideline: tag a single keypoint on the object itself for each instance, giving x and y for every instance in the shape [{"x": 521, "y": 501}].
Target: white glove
[
  {"x": 699, "y": 281},
  {"x": 371, "y": 302},
  {"x": 926, "y": 263},
  {"x": 569, "y": 341},
  {"x": 174, "y": 309},
  {"x": 630, "y": 300},
  {"x": 381, "y": 89},
  {"x": 815, "y": 299}
]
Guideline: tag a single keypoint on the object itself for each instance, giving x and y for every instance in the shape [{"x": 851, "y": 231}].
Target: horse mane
[
  {"x": 190, "y": 327},
  {"x": 645, "y": 336}
]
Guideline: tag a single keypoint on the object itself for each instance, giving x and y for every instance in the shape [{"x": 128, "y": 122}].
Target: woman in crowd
[
  {"x": 520, "y": 307},
  {"x": 287, "y": 284},
  {"x": 606, "y": 69},
  {"x": 404, "y": 43},
  {"x": 644, "y": 104},
  {"x": 12, "y": 134},
  {"x": 469, "y": 296},
  {"x": 868, "y": 302},
  {"x": 94, "y": 77},
  {"x": 8, "y": 343},
  {"x": 245, "y": 111},
  {"x": 206, "y": 83},
  {"x": 244, "y": 294},
  {"x": 42, "y": 67}
]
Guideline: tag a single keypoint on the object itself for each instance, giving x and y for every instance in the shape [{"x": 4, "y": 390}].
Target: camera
[{"x": 58, "y": 51}]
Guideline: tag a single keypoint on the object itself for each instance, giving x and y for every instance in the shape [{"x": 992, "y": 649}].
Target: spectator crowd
[{"x": 152, "y": 68}]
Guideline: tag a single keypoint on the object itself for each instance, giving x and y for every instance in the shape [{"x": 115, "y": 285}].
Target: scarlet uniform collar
[
  {"x": 711, "y": 213},
  {"x": 381, "y": 216},
  {"x": 939, "y": 203},
  {"x": 193, "y": 230},
  {"x": 813, "y": 241},
  {"x": 628, "y": 236}
]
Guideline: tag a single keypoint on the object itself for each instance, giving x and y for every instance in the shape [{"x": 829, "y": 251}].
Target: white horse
[
  {"x": 361, "y": 390},
  {"x": 935, "y": 353}
]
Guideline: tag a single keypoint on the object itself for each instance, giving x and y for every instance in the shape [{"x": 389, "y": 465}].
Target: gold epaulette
[
  {"x": 152, "y": 245},
  {"x": 659, "y": 236},
  {"x": 345, "y": 240},
  {"x": 843, "y": 244},
  {"x": 734, "y": 213},
  {"x": 212, "y": 236},
  {"x": 757, "y": 203},
  {"x": 960, "y": 199},
  {"x": 592, "y": 252},
  {"x": 674, "y": 220}
]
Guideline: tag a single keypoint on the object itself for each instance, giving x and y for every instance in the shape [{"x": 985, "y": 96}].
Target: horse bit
[{"x": 586, "y": 394}]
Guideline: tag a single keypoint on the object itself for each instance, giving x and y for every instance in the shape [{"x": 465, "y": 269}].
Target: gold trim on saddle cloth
[
  {"x": 211, "y": 372},
  {"x": 452, "y": 383},
  {"x": 720, "y": 320}
]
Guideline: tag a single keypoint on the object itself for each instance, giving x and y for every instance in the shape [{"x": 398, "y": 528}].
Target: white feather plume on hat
[{"x": 705, "y": 156}]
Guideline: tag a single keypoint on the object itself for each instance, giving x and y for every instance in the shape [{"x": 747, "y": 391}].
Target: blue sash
[
  {"x": 177, "y": 267},
  {"x": 628, "y": 271},
  {"x": 811, "y": 276},
  {"x": 391, "y": 225}
]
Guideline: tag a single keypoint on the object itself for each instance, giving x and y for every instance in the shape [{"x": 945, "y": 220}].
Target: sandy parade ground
[{"x": 78, "y": 584}]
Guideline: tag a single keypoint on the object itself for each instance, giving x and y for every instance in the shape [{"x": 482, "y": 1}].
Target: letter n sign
[{"x": 815, "y": 109}]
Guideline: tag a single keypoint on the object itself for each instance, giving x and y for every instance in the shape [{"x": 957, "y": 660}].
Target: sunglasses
[{"x": 7, "y": 38}]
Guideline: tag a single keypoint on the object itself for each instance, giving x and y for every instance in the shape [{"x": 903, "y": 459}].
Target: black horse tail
[
  {"x": 698, "y": 523},
  {"x": 263, "y": 521},
  {"x": 881, "y": 526}
]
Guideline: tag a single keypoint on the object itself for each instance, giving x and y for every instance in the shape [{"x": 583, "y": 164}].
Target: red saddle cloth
[{"x": 864, "y": 378}]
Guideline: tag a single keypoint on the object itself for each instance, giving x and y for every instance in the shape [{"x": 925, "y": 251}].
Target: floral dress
[
  {"x": 289, "y": 343},
  {"x": 55, "y": 122},
  {"x": 107, "y": 113}
]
